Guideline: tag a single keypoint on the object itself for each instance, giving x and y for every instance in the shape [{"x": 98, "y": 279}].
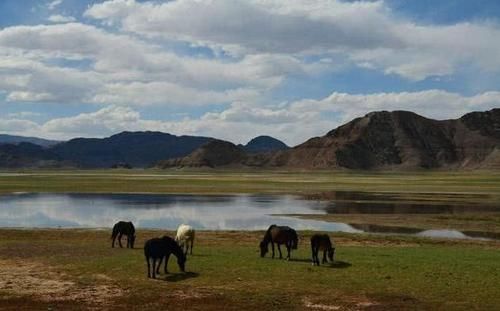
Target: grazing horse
[
  {"x": 159, "y": 248},
  {"x": 185, "y": 238},
  {"x": 279, "y": 235},
  {"x": 121, "y": 228},
  {"x": 321, "y": 242}
]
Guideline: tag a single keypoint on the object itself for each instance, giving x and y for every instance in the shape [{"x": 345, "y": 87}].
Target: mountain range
[
  {"x": 124, "y": 150},
  {"x": 378, "y": 140}
]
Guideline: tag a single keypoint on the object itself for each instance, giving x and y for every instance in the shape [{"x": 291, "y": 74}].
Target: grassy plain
[
  {"x": 409, "y": 184},
  {"x": 77, "y": 269}
]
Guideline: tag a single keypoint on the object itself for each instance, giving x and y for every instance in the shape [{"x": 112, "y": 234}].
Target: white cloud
[
  {"x": 158, "y": 93},
  {"x": 23, "y": 115},
  {"x": 151, "y": 56},
  {"x": 52, "y": 5},
  {"x": 294, "y": 123},
  {"x": 57, "y": 18},
  {"x": 435, "y": 104},
  {"x": 367, "y": 32},
  {"x": 142, "y": 73},
  {"x": 18, "y": 126}
]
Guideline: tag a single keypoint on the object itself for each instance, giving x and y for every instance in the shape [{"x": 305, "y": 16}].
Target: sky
[{"x": 234, "y": 69}]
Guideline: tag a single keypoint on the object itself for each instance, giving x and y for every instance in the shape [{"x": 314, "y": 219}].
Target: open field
[
  {"x": 59, "y": 269},
  {"x": 77, "y": 269},
  {"x": 484, "y": 183}
]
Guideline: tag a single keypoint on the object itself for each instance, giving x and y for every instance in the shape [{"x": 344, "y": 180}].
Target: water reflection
[
  {"x": 353, "y": 202},
  {"x": 243, "y": 212}
]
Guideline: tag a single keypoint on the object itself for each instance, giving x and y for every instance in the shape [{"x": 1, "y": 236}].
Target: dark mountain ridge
[
  {"x": 137, "y": 149},
  {"x": 264, "y": 143},
  {"x": 379, "y": 140},
  {"x": 27, "y": 155},
  {"x": 391, "y": 140},
  {"x": 11, "y": 139}
]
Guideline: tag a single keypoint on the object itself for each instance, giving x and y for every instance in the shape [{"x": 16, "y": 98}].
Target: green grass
[
  {"x": 373, "y": 272},
  {"x": 225, "y": 181},
  {"x": 396, "y": 273}
]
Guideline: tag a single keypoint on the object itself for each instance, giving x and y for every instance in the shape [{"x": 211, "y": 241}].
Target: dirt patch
[
  {"x": 319, "y": 306},
  {"x": 20, "y": 278},
  {"x": 191, "y": 294},
  {"x": 200, "y": 292},
  {"x": 346, "y": 303}
]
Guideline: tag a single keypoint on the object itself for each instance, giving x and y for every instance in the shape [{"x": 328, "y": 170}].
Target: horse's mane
[
  {"x": 267, "y": 236},
  {"x": 175, "y": 248}
]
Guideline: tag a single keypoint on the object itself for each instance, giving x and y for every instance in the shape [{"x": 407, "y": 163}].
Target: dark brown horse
[
  {"x": 279, "y": 235},
  {"x": 121, "y": 228},
  {"x": 159, "y": 248},
  {"x": 321, "y": 242}
]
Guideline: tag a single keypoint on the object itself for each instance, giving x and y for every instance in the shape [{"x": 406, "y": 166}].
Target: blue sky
[{"x": 237, "y": 69}]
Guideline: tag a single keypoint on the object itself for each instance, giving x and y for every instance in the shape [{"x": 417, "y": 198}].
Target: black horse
[
  {"x": 159, "y": 248},
  {"x": 279, "y": 235},
  {"x": 321, "y": 242},
  {"x": 121, "y": 228}
]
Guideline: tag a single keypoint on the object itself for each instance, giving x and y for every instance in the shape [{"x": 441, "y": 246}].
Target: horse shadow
[
  {"x": 337, "y": 264},
  {"x": 177, "y": 277}
]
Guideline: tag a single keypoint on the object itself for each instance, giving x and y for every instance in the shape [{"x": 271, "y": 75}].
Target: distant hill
[
  {"x": 400, "y": 140},
  {"x": 378, "y": 140},
  {"x": 127, "y": 149},
  {"x": 212, "y": 154},
  {"x": 27, "y": 155},
  {"x": 10, "y": 139},
  {"x": 264, "y": 144},
  {"x": 137, "y": 149},
  {"x": 388, "y": 140}
]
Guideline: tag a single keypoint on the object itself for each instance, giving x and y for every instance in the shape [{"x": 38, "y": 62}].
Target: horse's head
[
  {"x": 331, "y": 253},
  {"x": 181, "y": 261},
  {"x": 263, "y": 248},
  {"x": 132, "y": 241}
]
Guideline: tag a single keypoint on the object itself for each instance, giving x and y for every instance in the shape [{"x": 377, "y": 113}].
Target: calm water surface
[{"x": 240, "y": 212}]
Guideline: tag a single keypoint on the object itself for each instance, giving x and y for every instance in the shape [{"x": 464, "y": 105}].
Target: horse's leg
[
  {"x": 279, "y": 250},
  {"x": 272, "y": 245},
  {"x": 149, "y": 269},
  {"x": 167, "y": 257},
  {"x": 128, "y": 241},
  {"x": 312, "y": 252},
  {"x": 159, "y": 265},
  {"x": 288, "y": 247},
  {"x": 315, "y": 256},
  {"x": 191, "y": 251},
  {"x": 154, "y": 268},
  {"x": 324, "y": 257},
  {"x": 120, "y": 240}
]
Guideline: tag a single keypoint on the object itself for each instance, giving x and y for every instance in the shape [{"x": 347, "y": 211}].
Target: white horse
[{"x": 185, "y": 238}]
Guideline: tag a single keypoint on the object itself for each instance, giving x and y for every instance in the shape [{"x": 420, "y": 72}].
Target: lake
[{"x": 156, "y": 211}]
